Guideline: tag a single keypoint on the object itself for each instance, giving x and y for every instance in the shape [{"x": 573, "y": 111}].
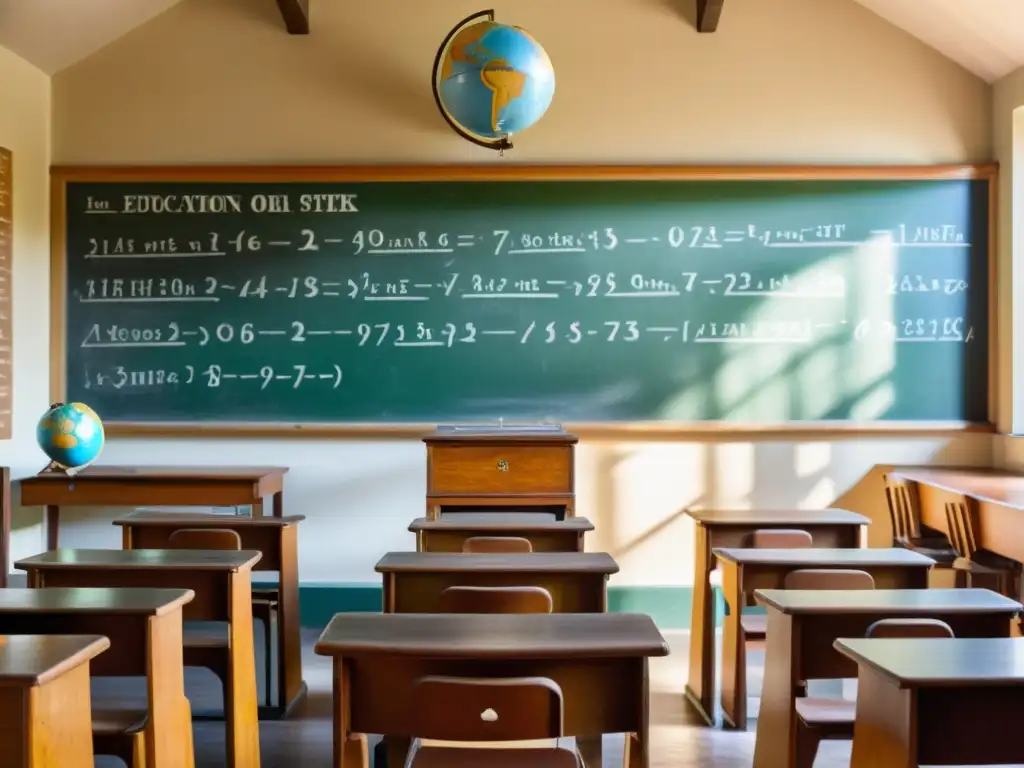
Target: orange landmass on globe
[
  {"x": 507, "y": 84},
  {"x": 458, "y": 48}
]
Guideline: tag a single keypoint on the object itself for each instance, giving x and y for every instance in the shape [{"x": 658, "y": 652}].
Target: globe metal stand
[{"x": 500, "y": 144}]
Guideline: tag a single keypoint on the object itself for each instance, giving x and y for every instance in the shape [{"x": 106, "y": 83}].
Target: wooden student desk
[
  {"x": 144, "y": 628},
  {"x": 546, "y": 533},
  {"x": 276, "y": 538},
  {"x": 598, "y": 660},
  {"x": 496, "y": 469},
  {"x": 994, "y": 512},
  {"x": 802, "y": 625},
  {"x": 577, "y": 581},
  {"x": 222, "y": 585},
  {"x": 733, "y": 528},
  {"x": 744, "y": 570},
  {"x": 939, "y": 702},
  {"x": 45, "y": 716},
  {"x": 101, "y": 486}
]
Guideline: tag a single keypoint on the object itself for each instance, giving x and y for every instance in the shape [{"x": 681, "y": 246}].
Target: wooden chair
[
  {"x": 755, "y": 625},
  {"x": 904, "y": 516},
  {"x": 495, "y": 600},
  {"x": 487, "y": 710},
  {"x": 820, "y": 719},
  {"x": 978, "y": 567},
  {"x": 497, "y": 544},
  {"x": 210, "y": 649}
]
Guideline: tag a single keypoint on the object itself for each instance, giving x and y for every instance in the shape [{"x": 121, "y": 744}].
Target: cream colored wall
[
  {"x": 25, "y": 130},
  {"x": 787, "y": 81},
  {"x": 1008, "y": 144}
]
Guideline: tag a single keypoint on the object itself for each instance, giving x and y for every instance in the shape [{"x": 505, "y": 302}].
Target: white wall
[
  {"x": 25, "y": 130},
  {"x": 1008, "y": 143},
  {"x": 787, "y": 81}
]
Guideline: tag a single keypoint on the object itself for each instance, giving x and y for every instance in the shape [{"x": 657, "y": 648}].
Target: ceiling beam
[
  {"x": 296, "y": 15},
  {"x": 708, "y": 13}
]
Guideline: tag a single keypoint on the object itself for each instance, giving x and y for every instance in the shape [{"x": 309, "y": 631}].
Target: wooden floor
[{"x": 676, "y": 738}]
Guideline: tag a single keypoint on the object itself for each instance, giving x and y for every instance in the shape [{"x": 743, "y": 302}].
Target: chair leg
[
  {"x": 269, "y": 619},
  {"x": 807, "y": 740}
]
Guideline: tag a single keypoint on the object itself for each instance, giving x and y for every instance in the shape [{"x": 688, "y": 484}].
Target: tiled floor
[{"x": 677, "y": 737}]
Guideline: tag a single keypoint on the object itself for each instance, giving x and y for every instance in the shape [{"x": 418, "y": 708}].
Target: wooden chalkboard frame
[{"x": 60, "y": 176}]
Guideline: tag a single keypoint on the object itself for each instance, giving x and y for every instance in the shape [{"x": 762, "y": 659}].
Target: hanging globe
[
  {"x": 71, "y": 435},
  {"x": 492, "y": 80}
]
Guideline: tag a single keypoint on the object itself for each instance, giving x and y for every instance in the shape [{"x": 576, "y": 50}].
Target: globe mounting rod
[{"x": 500, "y": 144}]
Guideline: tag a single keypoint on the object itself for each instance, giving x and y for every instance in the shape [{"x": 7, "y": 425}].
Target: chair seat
[
  {"x": 826, "y": 712},
  {"x": 754, "y": 624},
  {"x": 454, "y": 757},
  {"x": 938, "y": 550},
  {"x": 266, "y": 593},
  {"x": 982, "y": 566},
  {"x": 994, "y": 561},
  {"x": 117, "y": 722},
  {"x": 205, "y": 636}
]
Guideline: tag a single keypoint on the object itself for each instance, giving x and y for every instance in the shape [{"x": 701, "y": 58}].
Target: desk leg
[
  {"x": 51, "y": 518},
  {"x": 700, "y": 683},
  {"x": 240, "y": 705},
  {"x": 775, "y": 745},
  {"x": 349, "y": 749},
  {"x": 734, "y": 652},
  {"x": 396, "y": 750},
  {"x": 169, "y": 728},
  {"x": 53, "y": 721},
  {"x": 885, "y": 733},
  {"x": 590, "y": 750},
  {"x": 637, "y": 753},
  {"x": 289, "y": 681}
]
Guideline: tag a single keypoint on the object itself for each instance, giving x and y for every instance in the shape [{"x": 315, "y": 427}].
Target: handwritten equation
[
  {"x": 365, "y": 287},
  {"x": 451, "y": 334},
  {"x": 500, "y": 242}
]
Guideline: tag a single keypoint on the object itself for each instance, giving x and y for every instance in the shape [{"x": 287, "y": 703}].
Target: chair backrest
[
  {"x": 780, "y": 538},
  {"x": 503, "y": 544},
  {"x": 485, "y": 709},
  {"x": 909, "y": 628},
  {"x": 961, "y": 530},
  {"x": 204, "y": 538},
  {"x": 904, "y": 514},
  {"x": 828, "y": 578},
  {"x": 495, "y": 600}
]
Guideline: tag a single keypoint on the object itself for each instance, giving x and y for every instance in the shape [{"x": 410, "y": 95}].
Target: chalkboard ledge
[{"x": 644, "y": 431}]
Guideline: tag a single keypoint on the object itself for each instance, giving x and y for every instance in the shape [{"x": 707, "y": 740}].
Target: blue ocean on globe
[
  {"x": 71, "y": 434},
  {"x": 495, "y": 80}
]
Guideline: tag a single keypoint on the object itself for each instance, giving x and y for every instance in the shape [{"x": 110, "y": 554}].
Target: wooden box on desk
[{"x": 500, "y": 468}]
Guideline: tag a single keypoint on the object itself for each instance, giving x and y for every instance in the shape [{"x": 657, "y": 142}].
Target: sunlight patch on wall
[
  {"x": 811, "y": 458},
  {"x": 821, "y": 495},
  {"x": 734, "y": 474},
  {"x": 649, "y": 535}
]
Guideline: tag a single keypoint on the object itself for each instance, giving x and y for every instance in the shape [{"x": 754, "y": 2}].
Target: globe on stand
[
  {"x": 491, "y": 80},
  {"x": 71, "y": 435}
]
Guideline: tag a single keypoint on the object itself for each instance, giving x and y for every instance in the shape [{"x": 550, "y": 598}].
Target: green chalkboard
[{"x": 587, "y": 296}]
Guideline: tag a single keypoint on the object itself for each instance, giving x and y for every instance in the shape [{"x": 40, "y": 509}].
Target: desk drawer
[{"x": 497, "y": 469}]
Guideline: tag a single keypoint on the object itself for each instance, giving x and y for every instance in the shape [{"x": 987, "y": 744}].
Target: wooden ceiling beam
[
  {"x": 296, "y": 16},
  {"x": 708, "y": 13}
]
